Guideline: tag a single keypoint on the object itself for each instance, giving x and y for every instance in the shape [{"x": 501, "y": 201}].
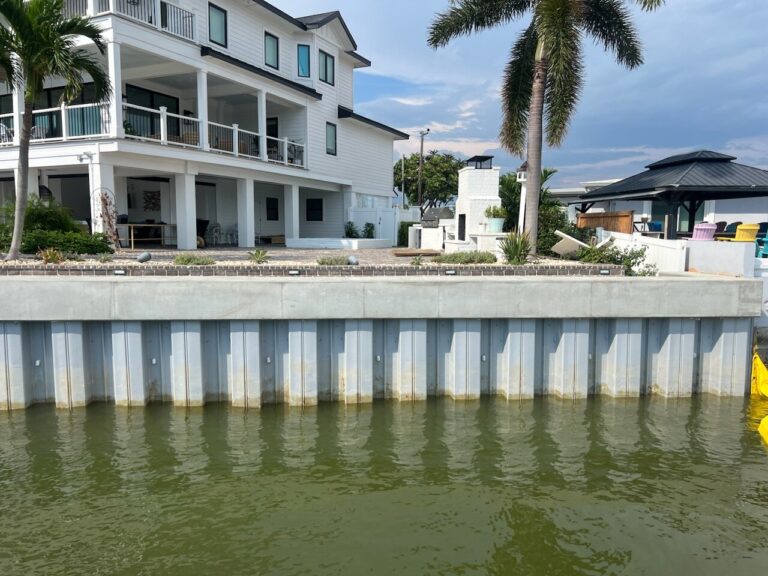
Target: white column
[
  {"x": 91, "y": 8},
  {"x": 102, "y": 187},
  {"x": 186, "y": 211},
  {"x": 261, "y": 96},
  {"x": 157, "y": 20},
  {"x": 18, "y": 110},
  {"x": 33, "y": 186},
  {"x": 116, "y": 104},
  {"x": 246, "y": 214},
  {"x": 292, "y": 227},
  {"x": 202, "y": 107}
]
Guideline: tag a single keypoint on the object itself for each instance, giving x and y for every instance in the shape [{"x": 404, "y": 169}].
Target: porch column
[
  {"x": 292, "y": 211},
  {"x": 186, "y": 211},
  {"x": 90, "y": 9},
  {"x": 670, "y": 232},
  {"x": 102, "y": 191},
  {"x": 246, "y": 214},
  {"x": 261, "y": 96},
  {"x": 33, "y": 186},
  {"x": 18, "y": 110},
  {"x": 202, "y": 107},
  {"x": 116, "y": 103}
]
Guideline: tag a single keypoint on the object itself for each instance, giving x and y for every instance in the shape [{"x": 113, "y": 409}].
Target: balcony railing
[
  {"x": 171, "y": 19},
  {"x": 6, "y": 129},
  {"x": 151, "y": 125},
  {"x": 68, "y": 123}
]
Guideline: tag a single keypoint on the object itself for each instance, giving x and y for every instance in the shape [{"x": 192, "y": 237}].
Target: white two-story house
[{"x": 231, "y": 119}]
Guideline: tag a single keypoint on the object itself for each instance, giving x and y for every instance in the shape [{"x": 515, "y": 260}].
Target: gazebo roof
[{"x": 701, "y": 175}]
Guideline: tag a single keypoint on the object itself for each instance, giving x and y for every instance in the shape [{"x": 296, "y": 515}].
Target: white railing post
[
  {"x": 202, "y": 107},
  {"x": 112, "y": 6},
  {"x": 91, "y": 8},
  {"x": 64, "y": 123},
  {"x": 261, "y": 104},
  {"x": 157, "y": 19},
  {"x": 163, "y": 125},
  {"x": 236, "y": 139},
  {"x": 285, "y": 150},
  {"x": 18, "y": 110},
  {"x": 116, "y": 76}
]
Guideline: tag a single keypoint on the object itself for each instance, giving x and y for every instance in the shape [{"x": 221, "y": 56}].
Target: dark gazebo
[{"x": 686, "y": 181}]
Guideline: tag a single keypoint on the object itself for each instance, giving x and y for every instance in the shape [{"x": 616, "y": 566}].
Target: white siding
[
  {"x": 332, "y": 225},
  {"x": 266, "y": 227}
]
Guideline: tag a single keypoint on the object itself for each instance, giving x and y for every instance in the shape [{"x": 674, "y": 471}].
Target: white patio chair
[
  {"x": 6, "y": 134},
  {"x": 38, "y": 133}
]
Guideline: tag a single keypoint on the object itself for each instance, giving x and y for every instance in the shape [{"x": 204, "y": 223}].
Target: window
[
  {"x": 273, "y": 212},
  {"x": 330, "y": 139},
  {"x": 314, "y": 209},
  {"x": 271, "y": 51},
  {"x": 217, "y": 25},
  {"x": 303, "y": 59},
  {"x": 327, "y": 68}
]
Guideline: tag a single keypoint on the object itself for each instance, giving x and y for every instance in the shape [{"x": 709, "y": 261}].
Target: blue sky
[{"x": 704, "y": 84}]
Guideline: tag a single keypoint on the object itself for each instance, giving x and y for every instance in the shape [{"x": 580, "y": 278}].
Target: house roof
[
  {"x": 700, "y": 175},
  {"x": 345, "y": 112},
  {"x": 315, "y": 21},
  {"x": 306, "y": 90}
]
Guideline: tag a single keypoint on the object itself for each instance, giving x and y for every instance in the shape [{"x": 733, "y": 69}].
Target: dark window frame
[
  {"x": 213, "y": 6},
  {"x": 335, "y": 150},
  {"x": 311, "y": 214},
  {"x": 272, "y": 209},
  {"x": 324, "y": 68},
  {"x": 309, "y": 60},
  {"x": 277, "y": 51}
]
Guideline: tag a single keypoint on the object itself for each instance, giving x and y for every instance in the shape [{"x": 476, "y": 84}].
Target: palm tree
[
  {"x": 545, "y": 71},
  {"x": 37, "y": 43}
]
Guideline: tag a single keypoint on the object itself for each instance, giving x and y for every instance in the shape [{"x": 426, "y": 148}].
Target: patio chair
[
  {"x": 38, "y": 133},
  {"x": 6, "y": 134},
  {"x": 762, "y": 230},
  {"x": 744, "y": 233},
  {"x": 704, "y": 232},
  {"x": 731, "y": 228},
  {"x": 721, "y": 226}
]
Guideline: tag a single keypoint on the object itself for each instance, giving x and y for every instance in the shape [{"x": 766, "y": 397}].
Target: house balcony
[{"x": 156, "y": 13}]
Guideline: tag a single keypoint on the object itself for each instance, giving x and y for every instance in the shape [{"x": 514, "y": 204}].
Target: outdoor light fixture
[
  {"x": 294, "y": 273},
  {"x": 522, "y": 172},
  {"x": 605, "y": 272},
  {"x": 119, "y": 272},
  {"x": 450, "y": 272},
  {"x": 522, "y": 177}
]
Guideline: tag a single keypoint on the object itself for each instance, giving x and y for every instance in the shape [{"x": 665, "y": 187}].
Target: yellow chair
[{"x": 744, "y": 233}]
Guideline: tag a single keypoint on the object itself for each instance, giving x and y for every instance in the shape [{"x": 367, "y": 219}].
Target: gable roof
[
  {"x": 345, "y": 112},
  {"x": 315, "y": 21},
  {"x": 703, "y": 174}
]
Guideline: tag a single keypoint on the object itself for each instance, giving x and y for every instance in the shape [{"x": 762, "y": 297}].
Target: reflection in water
[{"x": 542, "y": 487}]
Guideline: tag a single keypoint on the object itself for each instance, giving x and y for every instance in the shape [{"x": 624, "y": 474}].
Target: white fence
[{"x": 667, "y": 255}]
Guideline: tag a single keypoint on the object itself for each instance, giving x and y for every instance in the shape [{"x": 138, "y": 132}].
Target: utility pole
[
  {"x": 421, "y": 171},
  {"x": 402, "y": 188}
]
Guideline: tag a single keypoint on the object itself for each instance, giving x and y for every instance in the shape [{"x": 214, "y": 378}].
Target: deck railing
[
  {"x": 6, "y": 129},
  {"x": 70, "y": 122},
  {"x": 171, "y": 19}
]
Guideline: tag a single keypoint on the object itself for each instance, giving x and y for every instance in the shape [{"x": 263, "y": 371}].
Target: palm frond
[
  {"x": 468, "y": 16},
  {"x": 649, "y": 5},
  {"x": 557, "y": 21},
  {"x": 516, "y": 91},
  {"x": 610, "y": 23}
]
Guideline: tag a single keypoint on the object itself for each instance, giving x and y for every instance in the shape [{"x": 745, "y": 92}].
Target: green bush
[
  {"x": 193, "y": 260},
  {"x": 351, "y": 231},
  {"x": 516, "y": 248},
  {"x": 466, "y": 258},
  {"x": 632, "y": 259},
  {"x": 259, "y": 256},
  {"x": 333, "y": 261},
  {"x": 416, "y": 261},
  {"x": 402, "y": 233},
  {"x": 68, "y": 242},
  {"x": 495, "y": 212},
  {"x": 369, "y": 231},
  {"x": 51, "y": 256}
]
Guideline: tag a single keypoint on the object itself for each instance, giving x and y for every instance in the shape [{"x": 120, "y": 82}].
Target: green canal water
[{"x": 546, "y": 487}]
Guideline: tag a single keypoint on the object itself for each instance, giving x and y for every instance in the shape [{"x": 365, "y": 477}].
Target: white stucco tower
[{"x": 478, "y": 189}]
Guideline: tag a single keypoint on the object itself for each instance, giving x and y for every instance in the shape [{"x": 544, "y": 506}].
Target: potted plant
[{"x": 496, "y": 215}]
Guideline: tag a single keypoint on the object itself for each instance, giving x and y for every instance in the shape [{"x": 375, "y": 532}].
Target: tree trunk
[
  {"x": 535, "y": 142},
  {"x": 22, "y": 183}
]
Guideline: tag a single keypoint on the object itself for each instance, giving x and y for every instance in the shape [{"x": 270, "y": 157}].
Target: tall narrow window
[
  {"x": 271, "y": 51},
  {"x": 327, "y": 68},
  {"x": 273, "y": 211},
  {"x": 330, "y": 139},
  {"x": 217, "y": 25},
  {"x": 314, "y": 210},
  {"x": 303, "y": 59}
]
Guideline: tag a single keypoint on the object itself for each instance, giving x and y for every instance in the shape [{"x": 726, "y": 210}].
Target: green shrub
[
  {"x": 259, "y": 256},
  {"x": 632, "y": 259},
  {"x": 516, "y": 248},
  {"x": 51, "y": 256},
  {"x": 105, "y": 258},
  {"x": 69, "y": 242},
  {"x": 351, "y": 231},
  {"x": 416, "y": 261},
  {"x": 495, "y": 212},
  {"x": 193, "y": 260},
  {"x": 466, "y": 258},
  {"x": 402, "y": 233},
  {"x": 333, "y": 261},
  {"x": 369, "y": 231}
]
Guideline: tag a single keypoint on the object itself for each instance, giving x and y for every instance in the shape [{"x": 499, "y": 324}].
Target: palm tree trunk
[
  {"x": 535, "y": 142},
  {"x": 22, "y": 183}
]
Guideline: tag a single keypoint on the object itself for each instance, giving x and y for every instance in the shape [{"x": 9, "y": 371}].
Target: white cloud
[
  {"x": 459, "y": 146},
  {"x": 468, "y": 108},
  {"x": 412, "y": 101}
]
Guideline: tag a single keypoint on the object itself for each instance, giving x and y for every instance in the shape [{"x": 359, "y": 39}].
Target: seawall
[{"x": 301, "y": 341}]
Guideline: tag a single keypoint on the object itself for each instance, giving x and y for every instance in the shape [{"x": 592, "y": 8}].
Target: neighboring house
[{"x": 230, "y": 112}]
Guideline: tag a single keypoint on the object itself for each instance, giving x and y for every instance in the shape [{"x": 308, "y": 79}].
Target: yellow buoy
[
  {"x": 759, "y": 377},
  {"x": 763, "y": 429}
]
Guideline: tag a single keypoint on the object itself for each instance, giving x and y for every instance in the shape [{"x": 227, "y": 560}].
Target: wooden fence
[{"x": 612, "y": 221}]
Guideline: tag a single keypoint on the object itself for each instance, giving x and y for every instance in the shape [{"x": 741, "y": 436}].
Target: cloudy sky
[{"x": 704, "y": 85}]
